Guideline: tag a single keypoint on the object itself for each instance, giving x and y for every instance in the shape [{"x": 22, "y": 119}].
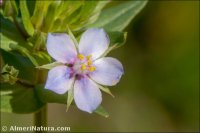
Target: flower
[{"x": 83, "y": 67}]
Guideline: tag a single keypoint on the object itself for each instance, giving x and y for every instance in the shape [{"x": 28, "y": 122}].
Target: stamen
[
  {"x": 89, "y": 62},
  {"x": 89, "y": 57},
  {"x": 81, "y": 56},
  {"x": 92, "y": 68},
  {"x": 83, "y": 67}
]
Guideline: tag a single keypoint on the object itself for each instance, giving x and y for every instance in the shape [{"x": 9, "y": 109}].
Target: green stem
[{"x": 40, "y": 118}]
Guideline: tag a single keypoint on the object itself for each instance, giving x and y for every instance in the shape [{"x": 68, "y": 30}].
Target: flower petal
[
  {"x": 94, "y": 42},
  {"x": 87, "y": 95},
  {"x": 61, "y": 47},
  {"x": 108, "y": 71},
  {"x": 59, "y": 79}
]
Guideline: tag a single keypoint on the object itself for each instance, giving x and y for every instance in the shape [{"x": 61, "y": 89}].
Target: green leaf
[
  {"x": 18, "y": 99},
  {"x": 77, "y": 14},
  {"x": 39, "y": 13},
  {"x": 73, "y": 38},
  {"x": 96, "y": 12},
  {"x": 47, "y": 96},
  {"x": 26, "y": 18},
  {"x": 24, "y": 51},
  {"x": 31, "y": 6},
  {"x": 117, "y": 39},
  {"x": 10, "y": 8},
  {"x": 9, "y": 33},
  {"x": 11, "y": 39},
  {"x": 118, "y": 17},
  {"x": 39, "y": 41},
  {"x": 50, "y": 16},
  {"x": 49, "y": 66},
  {"x": 70, "y": 98},
  {"x": 21, "y": 63},
  {"x": 101, "y": 111},
  {"x": 42, "y": 57},
  {"x": 5, "y": 42},
  {"x": 56, "y": 27},
  {"x": 90, "y": 11},
  {"x": 87, "y": 14},
  {"x": 87, "y": 9},
  {"x": 72, "y": 18},
  {"x": 69, "y": 7},
  {"x": 106, "y": 90},
  {"x": 70, "y": 14}
]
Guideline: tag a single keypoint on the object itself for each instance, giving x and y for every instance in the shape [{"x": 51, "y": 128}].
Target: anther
[
  {"x": 81, "y": 56},
  {"x": 89, "y": 57},
  {"x": 89, "y": 63},
  {"x": 83, "y": 67},
  {"x": 92, "y": 68}
]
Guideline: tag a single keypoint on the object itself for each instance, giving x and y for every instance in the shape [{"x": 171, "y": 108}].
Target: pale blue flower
[{"x": 82, "y": 68}]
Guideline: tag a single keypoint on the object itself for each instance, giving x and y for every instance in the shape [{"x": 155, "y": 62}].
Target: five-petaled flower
[{"x": 83, "y": 67}]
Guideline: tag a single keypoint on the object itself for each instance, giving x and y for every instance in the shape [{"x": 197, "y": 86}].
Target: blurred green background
[{"x": 160, "y": 88}]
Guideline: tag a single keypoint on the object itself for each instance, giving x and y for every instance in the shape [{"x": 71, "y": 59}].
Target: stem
[
  {"x": 40, "y": 118},
  {"x": 25, "y": 83}
]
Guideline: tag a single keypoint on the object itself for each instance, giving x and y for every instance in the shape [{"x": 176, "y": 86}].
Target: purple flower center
[{"x": 82, "y": 66}]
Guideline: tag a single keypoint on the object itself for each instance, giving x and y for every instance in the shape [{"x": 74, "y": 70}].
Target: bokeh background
[{"x": 160, "y": 89}]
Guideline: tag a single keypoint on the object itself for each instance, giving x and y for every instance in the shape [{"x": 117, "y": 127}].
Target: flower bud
[{"x": 9, "y": 74}]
